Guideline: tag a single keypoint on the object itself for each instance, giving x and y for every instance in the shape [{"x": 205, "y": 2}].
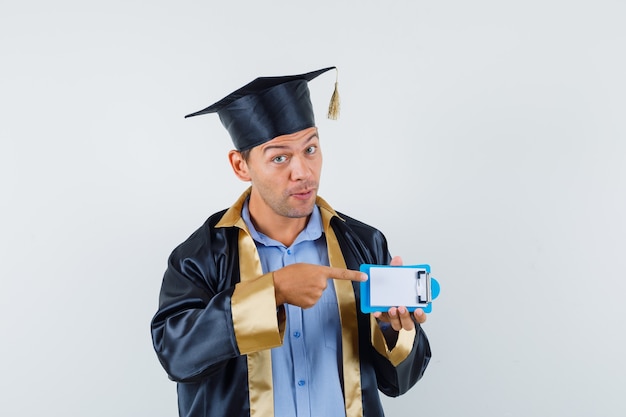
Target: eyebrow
[{"x": 271, "y": 147}]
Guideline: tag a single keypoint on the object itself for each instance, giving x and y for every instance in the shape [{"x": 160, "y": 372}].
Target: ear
[{"x": 239, "y": 165}]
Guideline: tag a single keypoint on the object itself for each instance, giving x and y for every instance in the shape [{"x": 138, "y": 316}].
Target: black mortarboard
[{"x": 268, "y": 107}]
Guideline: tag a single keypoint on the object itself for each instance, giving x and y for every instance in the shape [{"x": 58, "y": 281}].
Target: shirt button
[
  {"x": 296, "y": 334},
  {"x": 301, "y": 382},
  {"x": 288, "y": 251}
]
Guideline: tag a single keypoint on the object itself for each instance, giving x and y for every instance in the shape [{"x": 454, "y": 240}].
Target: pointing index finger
[{"x": 346, "y": 274}]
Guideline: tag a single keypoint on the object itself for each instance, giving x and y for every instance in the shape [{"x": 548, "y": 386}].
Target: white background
[{"x": 486, "y": 138}]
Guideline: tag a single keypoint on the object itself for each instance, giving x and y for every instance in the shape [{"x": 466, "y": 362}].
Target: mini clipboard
[{"x": 391, "y": 286}]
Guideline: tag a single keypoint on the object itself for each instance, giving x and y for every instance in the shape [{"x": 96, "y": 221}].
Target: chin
[{"x": 297, "y": 213}]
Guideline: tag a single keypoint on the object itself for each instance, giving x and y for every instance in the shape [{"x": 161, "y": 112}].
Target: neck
[
  {"x": 284, "y": 230},
  {"x": 281, "y": 228}
]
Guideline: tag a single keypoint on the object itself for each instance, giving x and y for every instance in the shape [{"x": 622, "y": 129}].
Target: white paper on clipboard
[{"x": 398, "y": 286}]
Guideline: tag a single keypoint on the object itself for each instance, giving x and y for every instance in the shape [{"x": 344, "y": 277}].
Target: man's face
[{"x": 285, "y": 174}]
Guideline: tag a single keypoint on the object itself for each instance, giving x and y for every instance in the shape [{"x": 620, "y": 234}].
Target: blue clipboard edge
[{"x": 365, "y": 289}]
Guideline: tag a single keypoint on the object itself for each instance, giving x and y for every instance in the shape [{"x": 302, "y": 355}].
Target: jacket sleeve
[
  {"x": 397, "y": 372},
  {"x": 193, "y": 331}
]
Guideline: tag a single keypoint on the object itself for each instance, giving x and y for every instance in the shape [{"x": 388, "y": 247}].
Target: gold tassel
[{"x": 335, "y": 102}]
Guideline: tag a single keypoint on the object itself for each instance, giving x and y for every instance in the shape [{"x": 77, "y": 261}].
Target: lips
[{"x": 303, "y": 195}]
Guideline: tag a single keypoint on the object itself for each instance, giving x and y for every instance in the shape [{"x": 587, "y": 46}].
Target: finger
[
  {"x": 383, "y": 317},
  {"x": 346, "y": 274},
  {"x": 394, "y": 319},
  {"x": 419, "y": 315},
  {"x": 405, "y": 318},
  {"x": 396, "y": 261}
]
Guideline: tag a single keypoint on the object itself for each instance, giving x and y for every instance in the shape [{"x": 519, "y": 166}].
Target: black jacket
[{"x": 194, "y": 337}]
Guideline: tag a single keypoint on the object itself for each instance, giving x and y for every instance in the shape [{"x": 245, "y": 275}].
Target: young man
[{"x": 258, "y": 313}]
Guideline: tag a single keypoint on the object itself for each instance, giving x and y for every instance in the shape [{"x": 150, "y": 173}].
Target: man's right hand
[{"x": 303, "y": 284}]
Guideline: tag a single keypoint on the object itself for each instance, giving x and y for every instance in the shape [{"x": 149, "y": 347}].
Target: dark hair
[{"x": 245, "y": 154}]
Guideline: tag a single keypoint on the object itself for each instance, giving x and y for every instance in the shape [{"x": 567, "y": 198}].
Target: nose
[{"x": 300, "y": 169}]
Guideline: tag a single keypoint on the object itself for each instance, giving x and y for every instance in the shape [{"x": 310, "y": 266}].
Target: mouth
[{"x": 303, "y": 194}]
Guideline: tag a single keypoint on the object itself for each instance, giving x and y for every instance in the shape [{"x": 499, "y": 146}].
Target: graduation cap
[{"x": 268, "y": 107}]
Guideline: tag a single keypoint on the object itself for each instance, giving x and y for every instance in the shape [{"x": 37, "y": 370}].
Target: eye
[
  {"x": 311, "y": 150},
  {"x": 279, "y": 159}
]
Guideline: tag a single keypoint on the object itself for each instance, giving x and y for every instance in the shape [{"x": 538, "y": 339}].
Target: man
[{"x": 258, "y": 309}]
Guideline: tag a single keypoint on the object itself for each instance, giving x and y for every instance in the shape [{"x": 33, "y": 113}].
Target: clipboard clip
[{"x": 422, "y": 287}]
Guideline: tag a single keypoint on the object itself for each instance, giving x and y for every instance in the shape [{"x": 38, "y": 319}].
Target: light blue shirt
[{"x": 307, "y": 368}]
